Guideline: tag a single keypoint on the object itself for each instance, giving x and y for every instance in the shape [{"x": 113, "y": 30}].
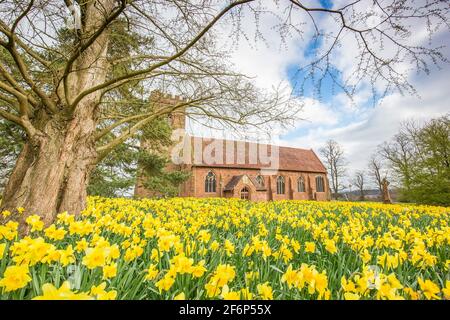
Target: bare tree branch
[{"x": 166, "y": 61}]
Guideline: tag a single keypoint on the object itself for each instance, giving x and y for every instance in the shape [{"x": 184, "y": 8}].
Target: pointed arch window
[
  {"x": 245, "y": 194},
  {"x": 260, "y": 180},
  {"x": 210, "y": 182},
  {"x": 280, "y": 185},
  {"x": 301, "y": 185},
  {"x": 320, "y": 185}
]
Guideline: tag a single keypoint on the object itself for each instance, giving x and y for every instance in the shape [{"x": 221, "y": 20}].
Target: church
[{"x": 243, "y": 169}]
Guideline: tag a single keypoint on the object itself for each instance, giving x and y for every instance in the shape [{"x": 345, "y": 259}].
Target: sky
[{"x": 359, "y": 126}]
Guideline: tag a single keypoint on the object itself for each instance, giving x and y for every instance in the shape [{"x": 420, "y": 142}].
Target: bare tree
[
  {"x": 376, "y": 171},
  {"x": 359, "y": 181},
  {"x": 400, "y": 153},
  {"x": 69, "y": 88},
  {"x": 335, "y": 163},
  {"x": 419, "y": 156}
]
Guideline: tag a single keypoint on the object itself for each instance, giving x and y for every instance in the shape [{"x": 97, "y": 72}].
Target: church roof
[
  {"x": 232, "y": 183},
  {"x": 290, "y": 159},
  {"x": 235, "y": 180}
]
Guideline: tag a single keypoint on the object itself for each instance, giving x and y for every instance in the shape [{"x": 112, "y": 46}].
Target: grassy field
[{"x": 186, "y": 248}]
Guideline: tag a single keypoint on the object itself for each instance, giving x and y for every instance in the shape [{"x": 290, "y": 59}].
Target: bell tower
[{"x": 176, "y": 119}]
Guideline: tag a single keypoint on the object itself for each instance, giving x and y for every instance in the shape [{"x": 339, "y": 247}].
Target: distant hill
[{"x": 369, "y": 194}]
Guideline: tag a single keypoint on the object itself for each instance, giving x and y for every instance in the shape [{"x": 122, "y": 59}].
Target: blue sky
[{"x": 359, "y": 126}]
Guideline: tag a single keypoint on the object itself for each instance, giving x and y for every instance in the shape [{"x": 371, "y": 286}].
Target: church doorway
[{"x": 245, "y": 194}]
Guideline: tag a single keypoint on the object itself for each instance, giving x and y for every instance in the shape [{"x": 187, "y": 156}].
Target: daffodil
[
  {"x": 429, "y": 288},
  {"x": 291, "y": 277},
  {"x": 265, "y": 291},
  {"x": 82, "y": 245},
  {"x": 180, "y": 296},
  {"x": 212, "y": 289},
  {"x": 351, "y": 296},
  {"x": 330, "y": 246},
  {"x": 66, "y": 256},
  {"x": 214, "y": 245},
  {"x": 95, "y": 257},
  {"x": 55, "y": 234},
  {"x": 15, "y": 277},
  {"x": 110, "y": 271},
  {"x": 204, "y": 236},
  {"x": 224, "y": 274},
  {"x": 199, "y": 269},
  {"x": 152, "y": 272},
  {"x": 230, "y": 249},
  {"x": 2, "y": 249},
  {"x": 310, "y": 247},
  {"x": 35, "y": 222},
  {"x": 165, "y": 283},
  {"x": 226, "y": 294},
  {"x": 6, "y": 213},
  {"x": 100, "y": 293},
  {"x": 62, "y": 293}
]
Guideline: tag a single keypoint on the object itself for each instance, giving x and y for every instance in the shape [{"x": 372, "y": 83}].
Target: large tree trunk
[{"x": 52, "y": 172}]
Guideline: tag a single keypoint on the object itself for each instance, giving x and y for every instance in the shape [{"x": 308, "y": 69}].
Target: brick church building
[{"x": 242, "y": 169}]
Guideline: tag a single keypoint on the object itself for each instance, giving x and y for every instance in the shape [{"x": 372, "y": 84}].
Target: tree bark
[{"x": 52, "y": 172}]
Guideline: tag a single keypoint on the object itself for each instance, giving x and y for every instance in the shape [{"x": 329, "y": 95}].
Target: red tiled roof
[{"x": 290, "y": 159}]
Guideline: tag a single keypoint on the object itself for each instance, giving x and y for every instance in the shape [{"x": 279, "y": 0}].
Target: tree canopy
[{"x": 419, "y": 155}]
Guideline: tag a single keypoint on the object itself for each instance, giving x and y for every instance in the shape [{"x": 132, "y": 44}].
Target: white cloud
[
  {"x": 358, "y": 126},
  {"x": 316, "y": 113},
  {"x": 360, "y": 138},
  {"x": 267, "y": 59}
]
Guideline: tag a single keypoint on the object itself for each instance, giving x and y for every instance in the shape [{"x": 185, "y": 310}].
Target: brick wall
[{"x": 195, "y": 187}]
